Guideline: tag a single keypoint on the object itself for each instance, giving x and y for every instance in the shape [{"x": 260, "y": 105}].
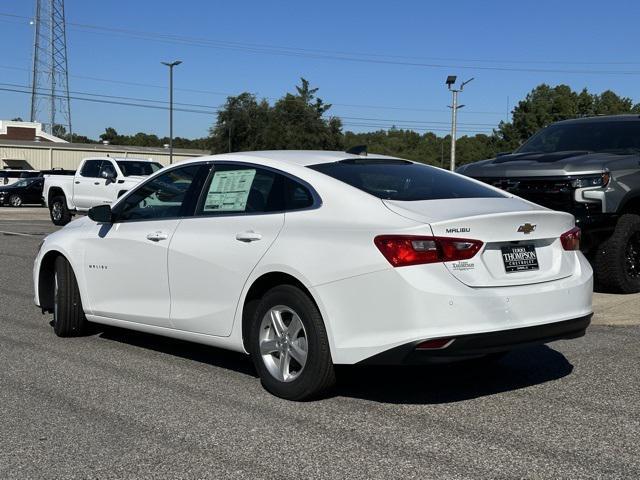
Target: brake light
[
  {"x": 435, "y": 344},
  {"x": 404, "y": 250},
  {"x": 571, "y": 239}
]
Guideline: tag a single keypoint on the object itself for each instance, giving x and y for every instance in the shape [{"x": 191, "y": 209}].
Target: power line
[
  {"x": 215, "y": 110},
  {"x": 326, "y": 54},
  {"x": 158, "y": 107},
  {"x": 211, "y": 92}
]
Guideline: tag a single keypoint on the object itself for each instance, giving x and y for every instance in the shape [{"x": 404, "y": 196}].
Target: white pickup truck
[{"x": 98, "y": 181}]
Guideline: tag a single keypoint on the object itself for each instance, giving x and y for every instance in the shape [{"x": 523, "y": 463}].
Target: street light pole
[
  {"x": 454, "y": 121},
  {"x": 451, "y": 80},
  {"x": 171, "y": 65}
]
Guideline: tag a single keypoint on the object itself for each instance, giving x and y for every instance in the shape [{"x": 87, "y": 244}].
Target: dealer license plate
[{"x": 519, "y": 258}]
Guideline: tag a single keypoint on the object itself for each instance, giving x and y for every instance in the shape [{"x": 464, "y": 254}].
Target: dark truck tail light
[
  {"x": 571, "y": 239},
  {"x": 404, "y": 250}
]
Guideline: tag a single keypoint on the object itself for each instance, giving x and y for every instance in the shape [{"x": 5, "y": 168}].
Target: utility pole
[
  {"x": 171, "y": 65},
  {"x": 50, "y": 103},
  {"x": 451, "y": 80}
]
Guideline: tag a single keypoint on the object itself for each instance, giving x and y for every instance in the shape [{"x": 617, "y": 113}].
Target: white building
[{"x": 25, "y": 145}]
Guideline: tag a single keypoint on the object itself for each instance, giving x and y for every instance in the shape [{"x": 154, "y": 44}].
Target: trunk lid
[{"x": 508, "y": 226}]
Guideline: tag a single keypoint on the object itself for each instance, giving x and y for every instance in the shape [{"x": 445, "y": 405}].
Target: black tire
[
  {"x": 68, "y": 316},
  {"x": 60, "y": 214},
  {"x": 318, "y": 374},
  {"x": 617, "y": 259},
  {"x": 15, "y": 200}
]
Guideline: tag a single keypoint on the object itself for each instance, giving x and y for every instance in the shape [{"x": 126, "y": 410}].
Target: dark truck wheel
[
  {"x": 289, "y": 345},
  {"x": 617, "y": 260},
  {"x": 58, "y": 210},
  {"x": 68, "y": 315}
]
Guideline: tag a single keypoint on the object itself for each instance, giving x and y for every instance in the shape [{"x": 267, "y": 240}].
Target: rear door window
[
  {"x": 403, "y": 180},
  {"x": 242, "y": 189},
  {"x": 138, "y": 168}
]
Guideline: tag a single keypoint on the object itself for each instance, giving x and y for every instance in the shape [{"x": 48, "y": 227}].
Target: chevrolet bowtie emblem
[{"x": 527, "y": 228}]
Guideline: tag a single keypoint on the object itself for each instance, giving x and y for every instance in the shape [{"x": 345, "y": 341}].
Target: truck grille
[{"x": 555, "y": 193}]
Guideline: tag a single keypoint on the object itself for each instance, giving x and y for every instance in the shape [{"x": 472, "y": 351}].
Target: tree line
[{"x": 301, "y": 120}]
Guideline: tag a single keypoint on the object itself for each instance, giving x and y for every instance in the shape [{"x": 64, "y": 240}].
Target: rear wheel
[
  {"x": 15, "y": 200},
  {"x": 68, "y": 316},
  {"x": 617, "y": 259},
  {"x": 289, "y": 345},
  {"x": 59, "y": 212}
]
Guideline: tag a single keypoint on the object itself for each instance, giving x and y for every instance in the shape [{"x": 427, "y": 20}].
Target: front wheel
[
  {"x": 617, "y": 260},
  {"x": 15, "y": 200},
  {"x": 60, "y": 214},
  {"x": 289, "y": 345},
  {"x": 68, "y": 315}
]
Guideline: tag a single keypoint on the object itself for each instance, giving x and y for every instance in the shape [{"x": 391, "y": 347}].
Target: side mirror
[
  {"x": 101, "y": 214},
  {"x": 110, "y": 177}
]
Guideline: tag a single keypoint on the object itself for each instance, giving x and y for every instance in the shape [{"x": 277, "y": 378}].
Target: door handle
[
  {"x": 248, "y": 237},
  {"x": 157, "y": 236},
  {"x": 77, "y": 183},
  {"x": 96, "y": 183}
]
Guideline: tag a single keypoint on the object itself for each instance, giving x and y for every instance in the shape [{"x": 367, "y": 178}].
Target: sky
[{"x": 379, "y": 63}]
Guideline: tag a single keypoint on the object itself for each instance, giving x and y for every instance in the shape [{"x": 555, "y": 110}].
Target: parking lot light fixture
[
  {"x": 450, "y": 82},
  {"x": 171, "y": 65}
]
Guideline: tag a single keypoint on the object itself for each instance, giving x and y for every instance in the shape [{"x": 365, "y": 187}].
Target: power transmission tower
[{"x": 50, "y": 103}]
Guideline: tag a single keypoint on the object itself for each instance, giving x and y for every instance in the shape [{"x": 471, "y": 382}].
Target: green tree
[
  {"x": 545, "y": 105},
  {"x": 111, "y": 135},
  {"x": 296, "y": 121},
  {"x": 241, "y": 125}
]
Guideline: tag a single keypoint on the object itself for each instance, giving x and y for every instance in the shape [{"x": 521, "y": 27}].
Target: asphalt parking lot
[{"x": 124, "y": 404}]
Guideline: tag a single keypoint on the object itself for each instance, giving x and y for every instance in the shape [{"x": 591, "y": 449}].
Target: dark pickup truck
[{"x": 589, "y": 167}]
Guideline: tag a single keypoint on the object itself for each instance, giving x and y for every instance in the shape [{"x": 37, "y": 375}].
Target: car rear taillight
[
  {"x": 404, "y": 250},
  {"x": 435, "y": 344},
  {"x": 571, "y": 239}
]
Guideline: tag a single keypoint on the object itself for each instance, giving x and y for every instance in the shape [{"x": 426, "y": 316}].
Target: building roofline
[{"x": 98, "y": 147}]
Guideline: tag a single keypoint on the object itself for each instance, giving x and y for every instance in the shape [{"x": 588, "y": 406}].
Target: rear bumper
[
  {"x": 367, "y": 315},
  {"x": 475, "y": 345}
]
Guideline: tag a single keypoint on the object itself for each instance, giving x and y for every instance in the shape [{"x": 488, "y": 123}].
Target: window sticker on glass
[{"x": 229, "y": 191}]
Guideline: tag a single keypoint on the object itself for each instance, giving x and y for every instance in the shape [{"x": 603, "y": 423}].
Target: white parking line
[{"x": 21, "y": 234}]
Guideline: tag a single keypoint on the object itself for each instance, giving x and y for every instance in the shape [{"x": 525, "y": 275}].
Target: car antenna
[{"x": 358, "y": 150}]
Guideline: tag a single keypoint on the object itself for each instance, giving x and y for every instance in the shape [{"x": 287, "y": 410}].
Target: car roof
[
  {"x": 302, "y": 158},
  {"x": 603, "y": 118}
]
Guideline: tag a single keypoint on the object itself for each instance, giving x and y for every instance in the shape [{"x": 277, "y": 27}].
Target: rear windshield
[
  {"x": 402, "y": 180},
  {"x": 137, "y": 168}
]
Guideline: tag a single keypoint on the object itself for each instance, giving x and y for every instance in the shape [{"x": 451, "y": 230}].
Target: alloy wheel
[
  {"x": 283, "y": 343},
  {"x": 56, "y": 211},
  {"x": 15, "y": 201}
]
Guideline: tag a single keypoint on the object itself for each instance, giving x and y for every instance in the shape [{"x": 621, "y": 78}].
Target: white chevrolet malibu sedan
[{"x": 308, "y": 259}]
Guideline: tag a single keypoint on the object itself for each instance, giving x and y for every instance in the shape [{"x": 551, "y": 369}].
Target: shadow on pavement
[
  {"x": 213, "y": 356},
  {"x": 453, "y": 382},
  {"x": 433, "y": 384}
]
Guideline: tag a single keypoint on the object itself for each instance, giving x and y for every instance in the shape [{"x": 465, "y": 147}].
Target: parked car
[
  {"x": 310, "y": 259},
  {"x": 98, "y": 181},
  {"x": 24, "y": 191},
  {"x": 9, "y": 176},
  {"x": 589, "y": 167}
]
